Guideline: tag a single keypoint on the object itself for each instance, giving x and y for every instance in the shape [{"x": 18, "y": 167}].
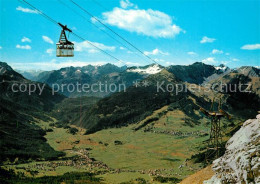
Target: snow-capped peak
[
  {"x": 152, "y": 69},
  {"x": 221, "y": 67}
]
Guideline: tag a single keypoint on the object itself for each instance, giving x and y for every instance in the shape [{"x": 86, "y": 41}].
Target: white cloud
[
  {"x": 122, "y": 48},
  {"x": 47, "y": 39},
  {"x": 26, "y": 10},
  {"x": 1, "y": 47},
  {"x": 25, "y": 39},
  {"x": 159, "y": 60},
  {"x": 155, "y": 52},
  {"x": 216, "y": 51},
  {"x": 49, "y": 51},
  {"x": 146, "y": 22},
  {"x": 227, "y": 54},
  {"x": 251, "y": 47},
  {"x": 192, "y": 53},
  {"x": 26, "y": 47},
  {"x": 206, "y": 39},
  {"x": 235, "y": 59},
  {"x": 132, "y": 63},
  {"x": 126, "y": 3},
  {"x": 85, "y": 46},
  {"x": 209, "y": 60}
]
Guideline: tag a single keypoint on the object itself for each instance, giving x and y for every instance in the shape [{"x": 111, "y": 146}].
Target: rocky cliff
[{"x": 241, "y": 161}]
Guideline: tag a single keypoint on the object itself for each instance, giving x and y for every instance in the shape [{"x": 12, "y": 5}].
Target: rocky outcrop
[{"x": 241, "y": 161}]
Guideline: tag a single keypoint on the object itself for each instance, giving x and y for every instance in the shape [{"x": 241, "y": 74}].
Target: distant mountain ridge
[
  {"x": 197, "y": 72},
  {"x": 30, "y": 74},
  {"x": 105, "y": 74}
]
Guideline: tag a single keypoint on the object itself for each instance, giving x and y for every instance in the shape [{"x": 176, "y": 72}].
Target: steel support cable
[
  {"x": 55, "y": 22},
  {"x": 114, "y": 31},
  {"x": 97, "y": 27}
]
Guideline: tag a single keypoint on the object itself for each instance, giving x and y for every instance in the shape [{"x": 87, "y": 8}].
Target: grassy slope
[
  {"x": 140, "y": 152},
  {"x": 71, "y": 109},
  {"x": 18, "y": 111}
]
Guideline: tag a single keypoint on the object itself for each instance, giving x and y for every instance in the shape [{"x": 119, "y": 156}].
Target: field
[{"x": 160, "y": 148}]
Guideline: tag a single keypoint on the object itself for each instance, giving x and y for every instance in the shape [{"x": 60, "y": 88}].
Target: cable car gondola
[{"x": 64, "y": 48}]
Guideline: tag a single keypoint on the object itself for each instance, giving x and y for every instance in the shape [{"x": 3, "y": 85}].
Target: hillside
[
  {"x": 91, "y": 75},
  {"x": 198, "y": 72},
  {"x": 19, "y": 111},
  {"x": 104, "y": 74},
  {"x": 136, "y": 103},
  {"x": 70, "y": 110},
  {"x": 30, "y": 74},
  {"x": 240, "y": 163},
  {"x": 241, "y": 90}
]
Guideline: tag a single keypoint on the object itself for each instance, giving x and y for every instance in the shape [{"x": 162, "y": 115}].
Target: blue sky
[{"x": 169, "y": 31}]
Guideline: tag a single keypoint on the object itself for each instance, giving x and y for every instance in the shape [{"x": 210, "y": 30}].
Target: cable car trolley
[{"x": 64, "y": 48}]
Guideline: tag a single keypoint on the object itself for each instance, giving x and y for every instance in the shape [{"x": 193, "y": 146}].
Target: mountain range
[
  {"x": 136, "y": 103},
  {"x": 112, "y": 74}
]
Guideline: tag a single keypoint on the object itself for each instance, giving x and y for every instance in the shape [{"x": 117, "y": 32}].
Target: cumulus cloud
[
  {"x": 25, "y": 39},
  {"x": 127, "y": 4},
  {"x": 47, "y": 39},
  {"x": 155, "y": 52},
  {"x": 85, "y": 46},
  {"x": 251, "y": 47},
  {"x": 26, "y": 10},
  {"x": 192, "y": 53},
  {"x": 209, "y": 60},
  {"x": 206, "y": 39},
  {"x": 26, "y": 47},
  {"x": 146, "y": 22},
  {"x": 216, "y": 51}
]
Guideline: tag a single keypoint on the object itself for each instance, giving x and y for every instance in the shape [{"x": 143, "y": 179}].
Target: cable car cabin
[{"x": 64, "y": 48}]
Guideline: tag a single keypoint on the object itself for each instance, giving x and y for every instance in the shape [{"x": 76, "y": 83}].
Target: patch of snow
[
  {"x": 63, "y": 73},
  {"x": 78, "y": 71},
  {"x": 150, "y": 70},
  {"x": 223, "y": 68}
]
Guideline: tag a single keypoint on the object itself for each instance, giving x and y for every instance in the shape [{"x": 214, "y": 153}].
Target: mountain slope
[
  {"x": 240, "y": 163},
  {"x": 196, "y": 73},
  {"x": 30, "y": 74},
  {"x": 90, "y": 75},
  {"x": 241, "y": 89},
  {"x": 18, "y": 112},
  {"x": 136, "y": 103}
]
